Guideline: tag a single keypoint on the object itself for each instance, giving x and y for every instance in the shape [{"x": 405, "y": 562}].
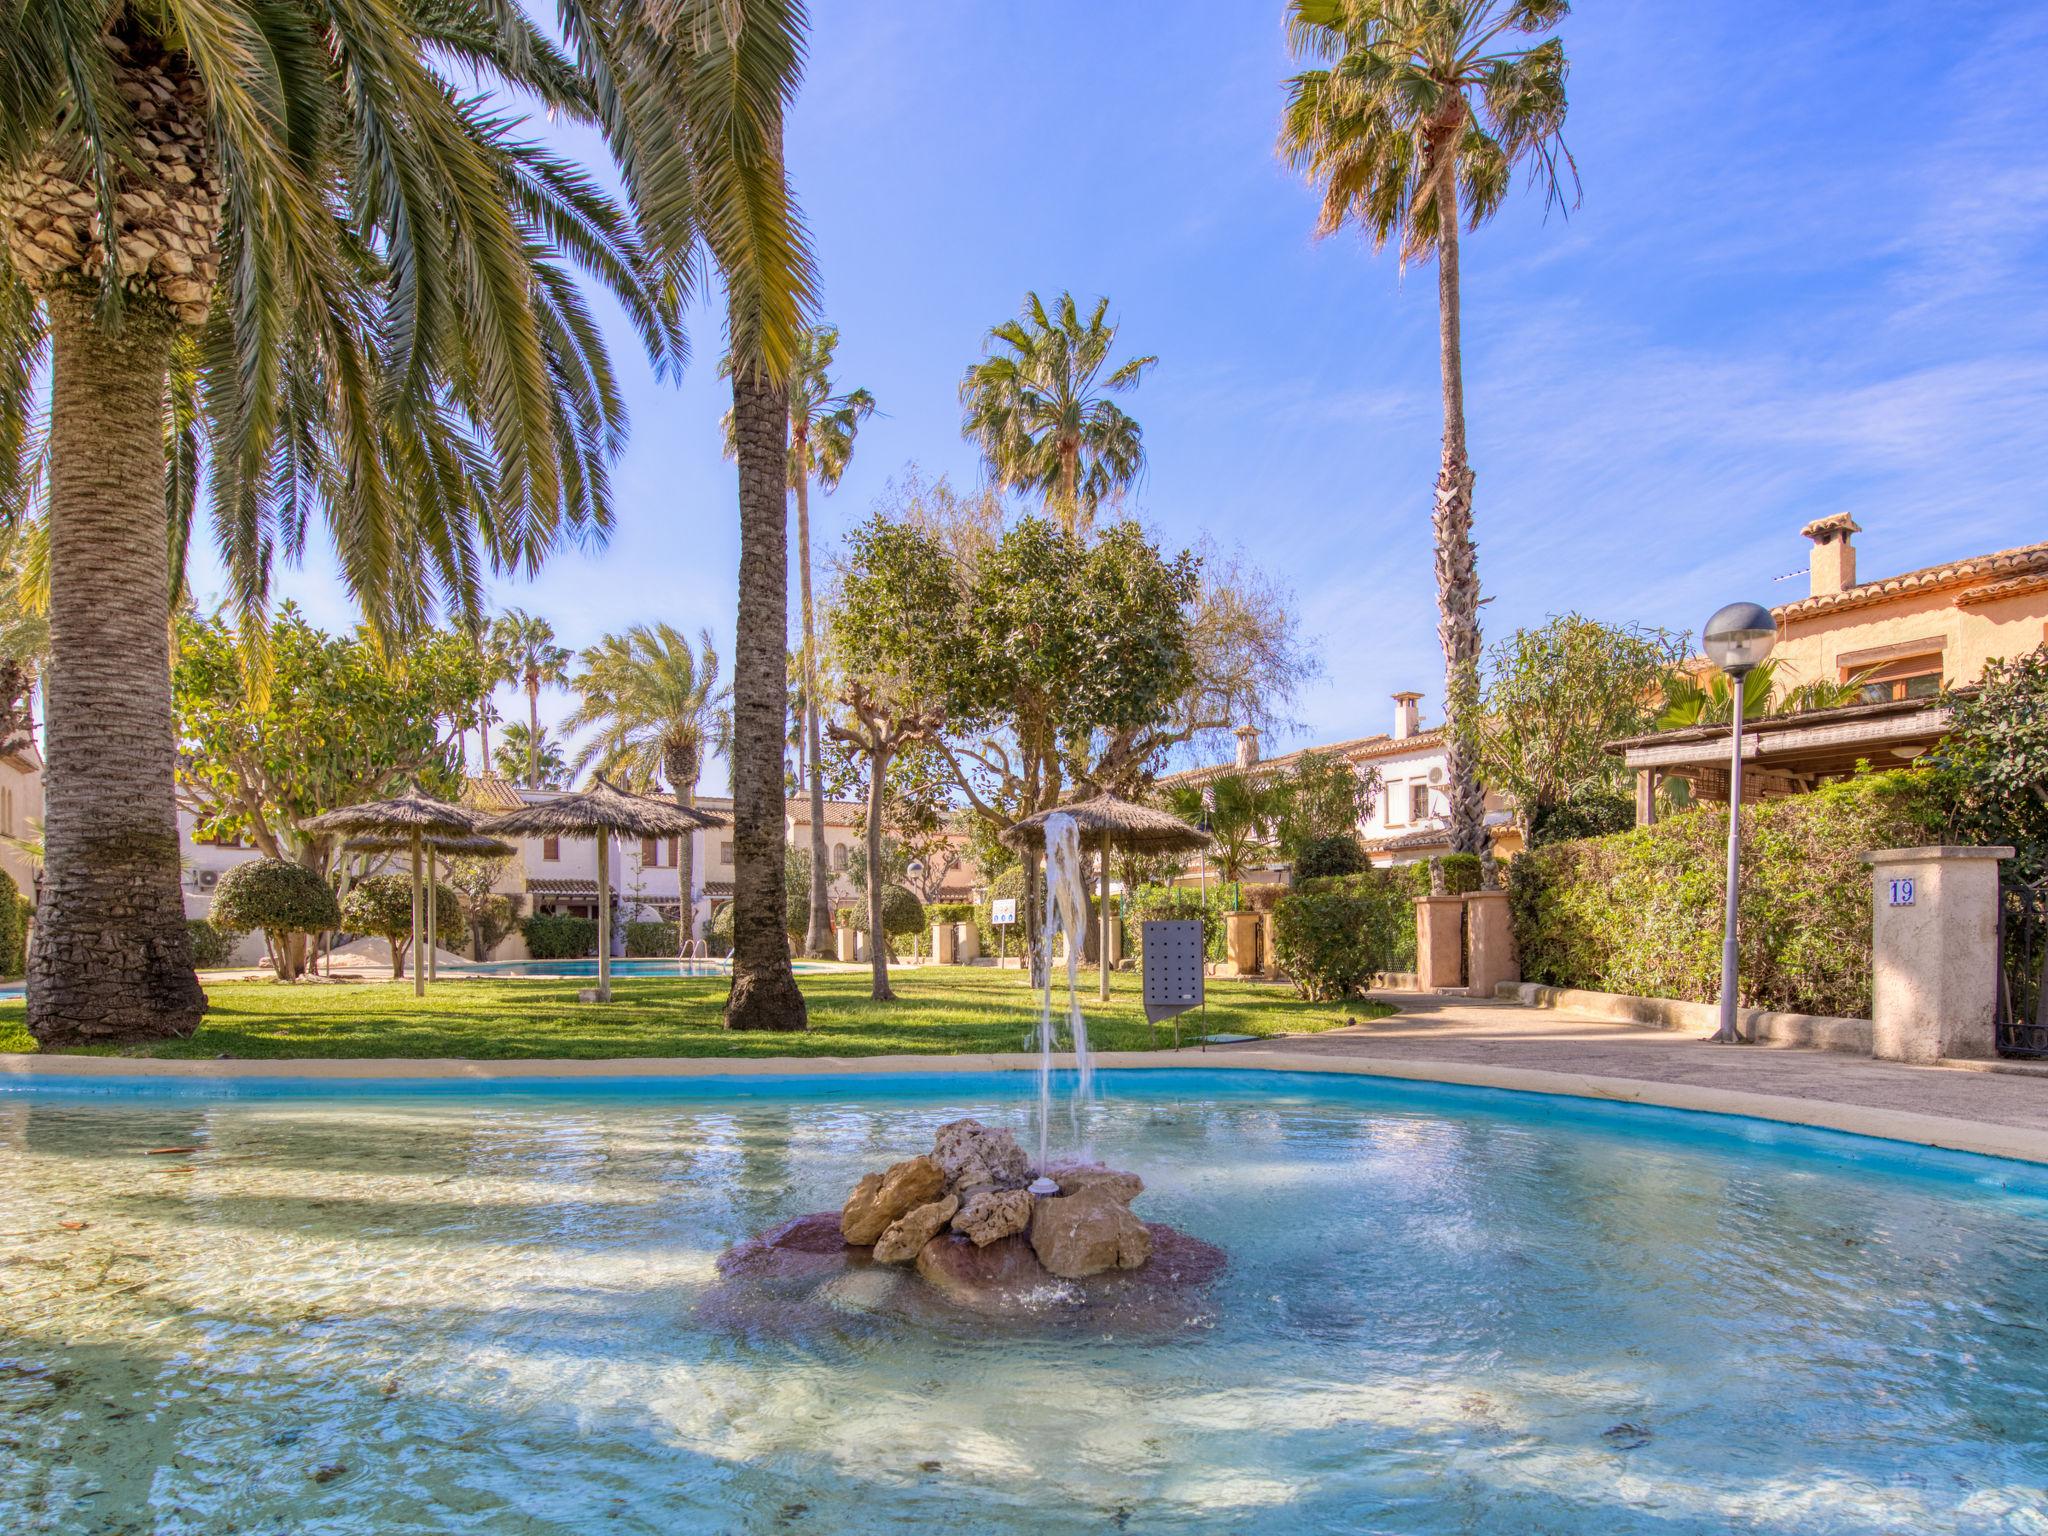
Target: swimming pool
[{"x": 437, "y": 1307}]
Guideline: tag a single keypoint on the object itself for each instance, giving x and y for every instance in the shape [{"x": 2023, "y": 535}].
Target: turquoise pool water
[{"x": 428, "y": 1308}]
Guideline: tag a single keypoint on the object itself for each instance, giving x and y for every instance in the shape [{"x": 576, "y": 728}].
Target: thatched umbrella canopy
[
  {"x": 439, "y": 845},
  {"x": 1105, "y": 822},
  {"x": 602, "y": 811},
  {"x": 413, "y": 818}
]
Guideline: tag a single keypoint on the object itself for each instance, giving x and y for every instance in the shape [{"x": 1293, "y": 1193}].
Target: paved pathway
[{"x": 1496, "y": 1034}]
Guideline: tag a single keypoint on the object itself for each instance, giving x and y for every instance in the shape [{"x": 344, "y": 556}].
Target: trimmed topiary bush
[
  {"x": 381, "y": 906},
  {"x": 651, "y": 940},
  {"x": 1329, "y": 943},
  {"x": 213, "y": 947},
  {"x": 281, "y": 898},
  {"x": 1640, "y": 912},
  {"x": 902, "y": 915},
  {"x": 1320, "y": 857},
  {"x": 556, "y": 936}
]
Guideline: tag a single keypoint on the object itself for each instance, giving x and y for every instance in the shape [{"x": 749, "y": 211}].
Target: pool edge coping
[{"x": 1982, "y": 1137}]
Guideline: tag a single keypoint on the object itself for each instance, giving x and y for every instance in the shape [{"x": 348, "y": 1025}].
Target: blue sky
[{"x": 1807, "y": 275}]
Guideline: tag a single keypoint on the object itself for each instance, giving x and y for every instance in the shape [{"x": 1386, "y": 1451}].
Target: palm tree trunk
[
  {"x": 686, "y": 877},
  {"x": 818, "y": 931},
  {"x": 532, "y": 731},
  {"x": 764, "y": 990},
  {"x": 112, "y": 957},
  {"x": 878, "y": 942},
  {"x": 483, "y": 732},
  {"x": 1457, "y": 567}
]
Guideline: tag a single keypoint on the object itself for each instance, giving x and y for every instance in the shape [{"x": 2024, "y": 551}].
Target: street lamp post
[
  {"x": 1738, "y": 639},
  {"x": 914, "y": 873}
]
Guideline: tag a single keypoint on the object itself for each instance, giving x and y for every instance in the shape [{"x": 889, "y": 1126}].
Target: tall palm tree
[
  {"x": 693, "y": 95},
  {"x": 658, "y": 710},
  {"x": 276, "y": 250},
  {"x": 1037, "y": 406},
  {"x": 526, "y": 644},
  {"x": 519, "y": 753},
  {"x": 822, "y": 426},
  {"x": 1420, "y": 115}
]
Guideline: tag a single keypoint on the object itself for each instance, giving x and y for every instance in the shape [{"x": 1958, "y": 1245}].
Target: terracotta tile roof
[
  {"x": 1357, "y": 749},
  {"x": 549, "y": 885},
  {"x": 718, "y": 890},
  {"x": 491, "y": 792},
  {"x": 2026, "y": 560}
]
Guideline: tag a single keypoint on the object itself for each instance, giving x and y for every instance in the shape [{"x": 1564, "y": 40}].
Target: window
[
  {"x": 840, "y": 855},
  {"x": 551, "y": 850},
  {"x": 1910, "y": 677},
  {"x": 725, "y": 853},
  {"x": 650, "y": 853},
  {"x": 675, "y": 853},
  {"x": 1418, "y": 800}
]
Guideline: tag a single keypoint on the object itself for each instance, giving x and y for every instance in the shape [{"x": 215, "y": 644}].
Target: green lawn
[{"x": 937, "y": 1011}]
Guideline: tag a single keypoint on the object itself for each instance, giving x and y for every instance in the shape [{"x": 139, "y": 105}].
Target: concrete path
[{"x": 1472, "y": 1032}]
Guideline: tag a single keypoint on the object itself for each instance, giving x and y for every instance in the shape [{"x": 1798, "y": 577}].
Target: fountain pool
[{"x": 453, "y": 1307}]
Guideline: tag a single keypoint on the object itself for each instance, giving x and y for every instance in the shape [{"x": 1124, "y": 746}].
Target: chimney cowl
[
  {"x": 1247, "y": 745},
  {"x": 1407, "y": 715},
  {"x": 1833, "y": 566}
]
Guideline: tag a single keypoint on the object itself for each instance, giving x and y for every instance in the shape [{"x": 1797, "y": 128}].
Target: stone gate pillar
[
  {"x": 1492, "y": 959},
  {"x": 1933, "y": 952},
  {"x": 1439, "y": 943}
]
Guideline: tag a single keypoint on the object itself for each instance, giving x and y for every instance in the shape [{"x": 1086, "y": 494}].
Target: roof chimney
[
  {"x": 1247, "y": 745},
  {"x": 1407, "y": 708},
  {"x": 1834, "y": 554}
]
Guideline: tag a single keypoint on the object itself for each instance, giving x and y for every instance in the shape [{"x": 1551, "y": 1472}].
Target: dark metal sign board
[{"x": 1173, "y": 968}]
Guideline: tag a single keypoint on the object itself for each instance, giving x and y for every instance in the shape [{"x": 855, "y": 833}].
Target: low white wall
[{"x": 1814, "y": 1031}]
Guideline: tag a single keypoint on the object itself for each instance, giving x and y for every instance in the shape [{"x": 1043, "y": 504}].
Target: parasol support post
[{"x": 419, "y": 973}]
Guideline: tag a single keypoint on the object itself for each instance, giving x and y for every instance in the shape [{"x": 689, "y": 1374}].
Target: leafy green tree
[
  {"x": 299, "y": 258},
  {"x": 892, "y": 638},
  {"x": 1415, "y": 119},
  {"x": 523, "y": 644},
  {"x": 1338, "y": 853},
  {"x": 490, "y": 915},
  {"x": 336, "y": 726},
  {"x": 284, "y": 899},
  {"x": 1994, "y": 763},
  {"x": 1038, "y": 407},
  {"x": 540, "y": 763},
  {"x": 1555, "y": 696},
  {"x": 381, "y": 906},
  {"x": 1322, "y": 797},
  {"x": 823, "y": 423},
  {"x": 658, "y": 710}
]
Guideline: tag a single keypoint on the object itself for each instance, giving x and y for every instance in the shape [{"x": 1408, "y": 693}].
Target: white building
[{"x": 1410, "y": 817}]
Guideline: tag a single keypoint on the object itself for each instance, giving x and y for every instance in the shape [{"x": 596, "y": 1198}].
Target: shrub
[
  {"x": 1340, "y": 854},
  {"x": 556, "y": 936},
  {"x": 950, "y": 912},
  {"x": 382, "y": 907},
  {"x": 212, "y": 946},
  {"x": 655, "y": 940},
  {"x": 13, "y": 928},
  {"x": 902, "y": 915},
  {"x": 1328, "y": 942},
  {"x": 719, "y": 930},
  {"x": 1384, "y": 910},
  {"x": 282, "y": 899},
  {"x": 1597, "y": 813},
  {"x": 1640, "y": 912},
  {"x": 1173, "y": 903}
]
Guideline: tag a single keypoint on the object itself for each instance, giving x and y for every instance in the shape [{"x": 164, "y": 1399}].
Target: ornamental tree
[
  {"x": 381, "y": 906},
  {"x": 1994, "y": 763},
  {"x": 335, "y": 721},
  {"x": 285, "y": 900}
]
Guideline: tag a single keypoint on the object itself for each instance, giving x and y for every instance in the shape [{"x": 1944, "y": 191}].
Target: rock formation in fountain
[{"x": 962, "y": 1230}]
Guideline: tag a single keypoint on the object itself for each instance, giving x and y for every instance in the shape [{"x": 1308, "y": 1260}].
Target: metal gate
[{"x": 2023, "y": 969}]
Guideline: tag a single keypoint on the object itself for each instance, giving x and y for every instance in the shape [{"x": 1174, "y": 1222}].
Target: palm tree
[
  {"x": 692, "y": 95},
  {"x": 822, "y": 427},
  {"x": 275, "y": 250},
  {"x": 1244, "y": 812},
  {"x": 526, "y": 644},
  {"x": 1423, "y": 112},
  {"x": 521, "y": 757},
  {"x": 658, "y": 711},
  {"x": 1037, "y": 406}
]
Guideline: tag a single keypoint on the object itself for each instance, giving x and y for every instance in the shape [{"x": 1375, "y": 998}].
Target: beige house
[
  {"x": 21, "y": 814},
  {"x": 1903, "y": 638}
]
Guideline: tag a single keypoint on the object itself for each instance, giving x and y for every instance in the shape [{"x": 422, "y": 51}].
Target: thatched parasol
[
  {"x": 439, "y": 845},
  {"x": 603, "y": 811},
  {"x": 1106, "y": 822},
  {"x": 413, "y": 818}
]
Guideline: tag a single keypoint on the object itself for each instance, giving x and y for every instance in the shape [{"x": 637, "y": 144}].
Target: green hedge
[
  {"x": 13, "y": 928},
  {"x": 651, "y": 940},
  {"x": 950, "y": 912},
  {"x": 213, "y": 948},
  {"x": 552, "y": 936},
  {"x": 1178, "y": 903},
  {"x": 1382, "y": 906},
  {"x": 1330, "y": 943},
  {"x": 1640, "y": 912}
]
